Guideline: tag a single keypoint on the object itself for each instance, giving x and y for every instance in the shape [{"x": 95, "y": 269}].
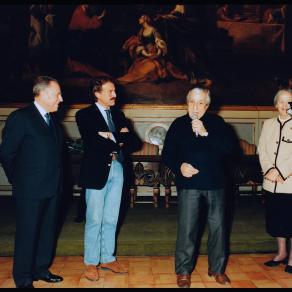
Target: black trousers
[
  {"x": 189, "y": 208},
  {"x": 35, "y": 238}
]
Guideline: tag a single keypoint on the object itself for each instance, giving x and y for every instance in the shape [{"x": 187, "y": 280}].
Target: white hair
[
  {"x": 197, "y": 93},
  {"x": 279, "y": 93}
]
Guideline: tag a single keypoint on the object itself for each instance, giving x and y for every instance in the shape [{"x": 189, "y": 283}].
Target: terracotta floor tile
[
  {"x": 42, "y": 284},
  {"x": 245, "y": 260},
  {"x": 65, "y": 273},
  {"x": 242, "y": 284},
  {"x": 234, "y": 270},
  {"x": 165, "y": 286},
  {"x": 198, "y": 285},
  {"x": 163, "y": 267},
  {"x": 266, "y": 284},
  {"x": 251, "y": 268},
  {"x": 116, "y": 281},
  {"x": 140, "y": 268},
  {"x": 2, "y": 280},
  {"x": 285, "y": 283},
  {"x": 237, "y": 276},
  {"x": 216, "y": 285},
  {"x": 261, "y": 260},
  {"x": 5, "y": 259},
  {"x": 245, "y": 271},
  {"x": 140, "y": 271},
  {"x": 141, "y": 286},
  {"x": 8, "y": 283},
  {"x": 6, "y": 266},
  {"x": 140, "y": 259},
  {"x": 84, "y": 283},
  {"x": 138, "y": 279},
  {"x": 75, "y": 259},
  {"x": 257, "y": 276},
  {"x": 205, "y": 278},
  {"x": 62, "y": 259},
  {"x": 201, "y": 269},
  {"x": 5, "y": 274},
  {"x": 69, "y": 282},
  {"x": 58, "y": 265},
  {"x": 165, "y": 279},
  {"x": 280, "y": 274},
  {"x": 196, "y": 278},
  {"x": 74, "y": 266}
]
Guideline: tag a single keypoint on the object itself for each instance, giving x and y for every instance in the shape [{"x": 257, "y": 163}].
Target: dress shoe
[
  {"x": 220, "y": 278},
  {"x": 50, "y": 278},
  {"x": 26, "y": 286},
  {"x": 91, "y": 273},
  {"x": 273, "y": 263},
  {"x": 183, "y": 281},
  {"x": 288, "y": 269},
  {"x": 114, "y": 267}
]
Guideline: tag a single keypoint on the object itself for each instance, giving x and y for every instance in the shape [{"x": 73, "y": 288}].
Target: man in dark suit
[
  {"x": 30, "y": 154},
  {"x": 106, "y": 140}
]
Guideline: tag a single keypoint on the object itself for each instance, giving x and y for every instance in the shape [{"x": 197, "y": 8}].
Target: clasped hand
[
  {"x": 109, "y": 135},
  {"x": 274, "y": 176},
  {"x": 188, "y": 170},
  {"x": 198, "y": 127}
]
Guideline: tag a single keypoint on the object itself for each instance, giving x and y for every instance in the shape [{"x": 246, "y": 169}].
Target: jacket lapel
[
  {"x": 100, "y": 119},
  {"x": 39, "y": 120}
]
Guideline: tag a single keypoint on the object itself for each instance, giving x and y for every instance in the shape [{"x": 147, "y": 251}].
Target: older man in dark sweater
[{"x": 195, "y": 148}]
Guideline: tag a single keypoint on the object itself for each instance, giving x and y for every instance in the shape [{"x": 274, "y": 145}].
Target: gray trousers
[{"x": 189, "y": 208}]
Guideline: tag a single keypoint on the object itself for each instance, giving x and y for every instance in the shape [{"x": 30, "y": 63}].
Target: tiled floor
[{"x": 245, "y": 271}]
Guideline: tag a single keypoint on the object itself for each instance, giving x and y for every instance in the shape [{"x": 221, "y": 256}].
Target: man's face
[
  {"x": 50, "y": 97},
  {"x": 107, "y": 96},
  {"x": 197, "y": 105}
]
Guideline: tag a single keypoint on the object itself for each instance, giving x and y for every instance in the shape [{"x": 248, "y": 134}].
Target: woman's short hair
[
  {"x": 97, "y": 83},
  {"x": 199, "y": 91},
  {"x": 279, "y": 93},
  {"x": 40, "y": 83}
]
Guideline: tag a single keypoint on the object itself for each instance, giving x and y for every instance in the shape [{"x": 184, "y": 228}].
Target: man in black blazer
[
  {"x": 31, "y": 155},
  {"x": 106, "y": 138}
]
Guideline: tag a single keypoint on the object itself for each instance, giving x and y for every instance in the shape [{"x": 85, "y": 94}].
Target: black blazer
[
  {"x": 31, "y": 154},
  {"x": 97, "y": 157}
]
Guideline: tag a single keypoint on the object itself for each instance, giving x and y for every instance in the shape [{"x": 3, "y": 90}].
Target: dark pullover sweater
[{"x": 207, "y": 154}]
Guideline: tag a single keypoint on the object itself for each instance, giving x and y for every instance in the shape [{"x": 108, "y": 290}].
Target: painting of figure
[{"x": 156, "y": 53}]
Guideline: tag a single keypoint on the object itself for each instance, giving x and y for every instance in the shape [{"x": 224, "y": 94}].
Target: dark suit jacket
[
  {"x": 31, "y": 153},
  {"x": 97, "y": 157}
]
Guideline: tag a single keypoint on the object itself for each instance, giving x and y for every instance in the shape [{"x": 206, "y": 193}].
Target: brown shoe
[
  {"x": 91, "y": 273},
  {"x": 183, "y": 281},
  {"x": 114, "y": 266},
  {"x": 220, "y": 278}
]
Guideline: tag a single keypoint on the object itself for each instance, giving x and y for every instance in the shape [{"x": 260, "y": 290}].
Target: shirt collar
[
  {"x": 101, "y": 108},
  {"x": 40, "y": 108}
]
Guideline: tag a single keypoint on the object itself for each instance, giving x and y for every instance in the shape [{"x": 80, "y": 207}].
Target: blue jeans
[{"x": 102, "y": 214}]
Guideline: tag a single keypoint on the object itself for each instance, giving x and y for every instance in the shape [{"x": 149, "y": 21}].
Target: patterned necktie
[
  {"x": 48, "y": 119},
  {"x": 111, "y": 124},
  {"x": 50, "y": 124},
  {"x": 112, "y": 129}
]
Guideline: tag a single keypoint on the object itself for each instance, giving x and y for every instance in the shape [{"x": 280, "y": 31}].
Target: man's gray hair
[
  {"x": 42, "y": 82},
  {"x": 199, "y": 91},
  {"x": 278, "y": 94}
]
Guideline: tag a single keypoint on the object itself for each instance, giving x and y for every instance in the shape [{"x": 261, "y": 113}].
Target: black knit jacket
[{"x": 207, "y": 154}]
